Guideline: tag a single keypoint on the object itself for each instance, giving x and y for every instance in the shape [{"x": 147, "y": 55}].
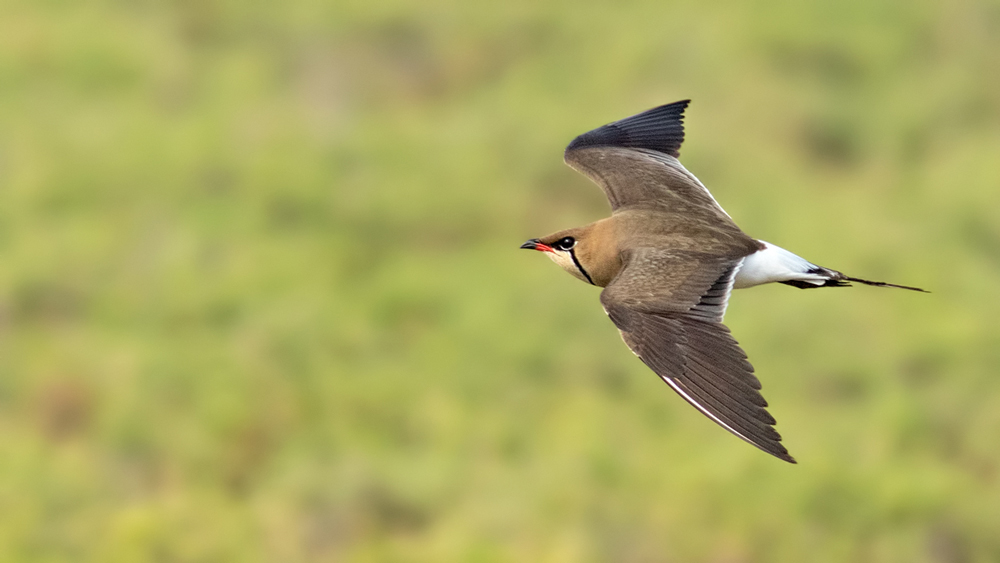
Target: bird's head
[{"x": 571, "y": 249}]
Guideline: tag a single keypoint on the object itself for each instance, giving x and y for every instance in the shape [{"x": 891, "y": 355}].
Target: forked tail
[
  {"x": 837, "y": 279},
  {"x": 775, "y": 264},
  {"x": 883, "y": 284}
]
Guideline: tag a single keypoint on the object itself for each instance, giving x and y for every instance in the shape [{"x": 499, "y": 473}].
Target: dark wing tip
[
  {"x": 659, "y": 129},
  {"x": 779, "y": 452}
]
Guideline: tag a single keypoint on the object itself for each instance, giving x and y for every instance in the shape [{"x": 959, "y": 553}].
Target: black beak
[{"x": 531, "y": 244}]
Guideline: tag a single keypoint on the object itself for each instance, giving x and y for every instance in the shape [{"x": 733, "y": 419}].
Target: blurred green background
[{"x": 261, "y": 297}]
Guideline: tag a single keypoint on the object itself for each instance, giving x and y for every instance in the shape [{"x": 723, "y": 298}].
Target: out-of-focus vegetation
[{"x": 261, "y": 297}]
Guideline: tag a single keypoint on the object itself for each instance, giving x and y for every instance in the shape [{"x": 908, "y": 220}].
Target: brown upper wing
[
  {"x": 669, "y": 308},
  {"x": 634, "y": 160}
]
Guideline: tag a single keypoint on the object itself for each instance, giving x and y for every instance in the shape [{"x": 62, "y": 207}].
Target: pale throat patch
[{"x": 565, "y": 262}]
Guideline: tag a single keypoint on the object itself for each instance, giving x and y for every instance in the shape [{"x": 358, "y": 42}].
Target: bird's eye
[{"x": 566, "y": 243}]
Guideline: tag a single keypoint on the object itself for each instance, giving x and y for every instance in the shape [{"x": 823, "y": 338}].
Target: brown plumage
[{"x": 668, "y": 258}]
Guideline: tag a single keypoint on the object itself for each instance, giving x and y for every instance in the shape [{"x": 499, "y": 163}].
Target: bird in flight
[{"x": 668, "y": 259}]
